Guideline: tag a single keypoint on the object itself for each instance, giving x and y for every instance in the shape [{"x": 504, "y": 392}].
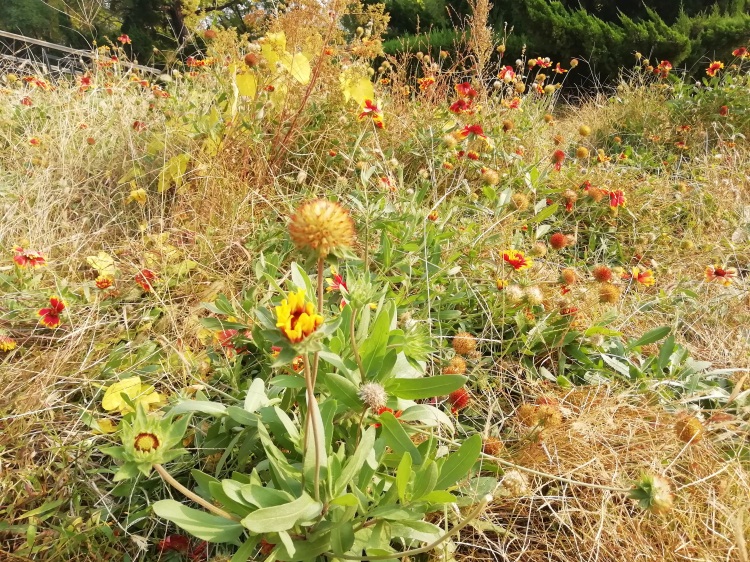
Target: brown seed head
[{"x": 464, "y": 343}]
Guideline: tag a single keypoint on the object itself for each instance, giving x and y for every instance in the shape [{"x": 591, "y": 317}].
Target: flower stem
[
  {"x": 312, "y": 424},
  {"x": 413, "y": 552},
  {"x": 192, "y": 495},
  {"x": 316, "y": 356}
]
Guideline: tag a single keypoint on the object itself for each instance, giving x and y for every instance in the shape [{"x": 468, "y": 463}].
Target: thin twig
[{"x": 192, "y": 495}]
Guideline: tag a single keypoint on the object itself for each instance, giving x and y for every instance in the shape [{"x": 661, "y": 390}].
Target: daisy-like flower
[
  {"x": 322, "y": 226},
  {"x": 507, "y": 74},
  {"x": 296, "y": 317},
  {"x": 617, "y": 198},
  {"x": 559, "y": 69},
  {"x": 517, "y": 260},
  {"x": 124, "y": 39},
  {"x": 426, "y": 82},
  {"x": 724, "y": 110},
  {"x": 104, "y": 282},
  {"x": 714, "y": 68},
  {"x": 663, "y": 69},
  {"x": 741, "y": 52},
  {"x": 144, "y": 278},
  {"x": 473, "y": 130},
  {"x": 7, "y": 343},
  {"x": 50, "y": 316},
  {"x": 371, "y": 109},
  {"x": 28, "y": 258},
  {"x": 465, "y": 90},
  {"x": 642, "y": 276},
  {"x": 462, "y": 106},
  {"x": 721, "y": 275}
]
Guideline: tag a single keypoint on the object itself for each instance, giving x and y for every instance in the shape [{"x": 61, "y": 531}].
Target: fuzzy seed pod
[
  {"x": 608, "y": 293},
  {"x": 514, "y": 294},
  {"x": 558, "y": 241},
  {"x": 322, "y": 226},
  {"x": 568, "y": 276},
  {"x": 584, "y": 130},
  {"x": 492, "y": 446},
  {"x": 602, "y": 273},
  {"x": 373, "y": 395},
  {"x": 457, "y": 366},
  {"x": 516, "y": 483},
  {"x": 689, "y": 429},
  {"x": 539, "y": 249},
  {"x": 582, "y": 152},
  {"x": 464, "y": 343},
  {"x": 507, "y": 125},
  {"x": 520, "y": 201},
  {"x": 534, "y": 295}
]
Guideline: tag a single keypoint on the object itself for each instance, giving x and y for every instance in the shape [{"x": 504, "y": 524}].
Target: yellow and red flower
[
  {"x": 741, "y": 52},
  {"x": 462, "y": 106},
  {"x": 371, "y": 109},
  {"x": 507, "y": 74},
  {"x": 471, "y": 130},
  {"x": 28, "y": 258},
  {"x": 7, "y": 343},
  {"x": 426, "y": 82},
  {"x": 559, "y": 69},
  {"x": 296, "y": 317},
  {"x": 517, "y": 260},
  {"x": 144, "y": 278},
  {"x": 124, "y": 39},
  {"x": 641, "y": 276},
  {"x": 104, "y": 282},
  {"x": 383, "y": 410},
  {"x": 663, "y": 69},
  {"x": 714, "y": 68},
  {"x": 721, "y": 275},
  {"x": 50, "y": 316},
  {"x": 617, "y": 198}
]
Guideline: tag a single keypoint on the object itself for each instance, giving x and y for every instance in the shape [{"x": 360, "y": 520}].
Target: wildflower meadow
[{"x": 298, "y": 299}]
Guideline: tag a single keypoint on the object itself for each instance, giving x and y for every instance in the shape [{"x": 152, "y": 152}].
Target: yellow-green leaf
[
  {"x": 358, "y": 89},
  {"x": 103, "y": 263},
  {"x": 298, "y": 66},
  {"x": 247, "y": 84}
]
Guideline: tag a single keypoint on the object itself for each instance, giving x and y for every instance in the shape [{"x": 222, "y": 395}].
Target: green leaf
[
  {"x": 205, "y": 526},
  {"x": 244, "y": 553},
  {"x": 425, "y": 480},
  {"x": 374, "y": 348},
  {"x": 283, "y": 517},
  {"x": 342, "y": 538},
  {"x": 427, "y": 387},
  {"x": 247, "y": 84},
  {"x": 343, "y": 390},
  {"x": 650, "y": 337},
  {"x": 438, "y": 496},
  {"x": 397, "y": 439},
  {"x": 665, "y": 353},
  {"x": 356, "y": 461},
  {"x": 347, "y": 500},
  {"x": 256, "y": 396},
  {"x": 545, "y": 213},
  {"x": 202, "y": 406},
  {"x": 457, "y": 465},
  {"x": 403, "y": 475}
]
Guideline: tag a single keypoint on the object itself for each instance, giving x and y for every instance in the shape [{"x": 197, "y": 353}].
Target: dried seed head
[
  {"x": 516, "y": 483},
  {"x": 373, "y": 395},
  {"x": 457, "y": 366},
  {"x": 689, "y": 429},
  {"x": 608, "y": 293},
  {"x": 464, "y": 343}
]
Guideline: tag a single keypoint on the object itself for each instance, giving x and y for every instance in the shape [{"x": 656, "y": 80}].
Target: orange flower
[
  {"x": 144, "y": 279},
  {"x": 103, "y": 282},
  {"x": 383, "y": 410},
  {"x": 124, "y": 39},
  {"x": 721, "y": 275},
  {"x": 714, "y": 68},
  {"x": 371, "y": 109},
  {"x": 741, "y": 52},
  {"x": 507, "y": 74},
  {"x": 34, "y": 141},
  {"x": 51, "y": 315},
  {"x": 517, "y": 260},
  {"x": 27, "y": 101},
  {"x": 724, "y": 110},
  {"x": 28, "y": 258},
  {"x": 663, "y": 69},
  {"x": 461, "y": 106}
]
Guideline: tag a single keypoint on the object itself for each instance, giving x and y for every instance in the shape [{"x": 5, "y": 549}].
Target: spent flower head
[{"x": 322, "y": 226}]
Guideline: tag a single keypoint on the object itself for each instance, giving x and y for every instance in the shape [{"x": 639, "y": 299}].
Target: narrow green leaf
[
  {"x": 202, "y": 406},
  {"x": 650, "y": 337},
  {"x": 205, "y": 526},
  {"x": 403, "y": 475},
  {"x": 343, "y": 390},
  {"x": 256, "y": 396},
  {"x": 397, "y": 439},
  {"x": 427, "y": 387},
  {"x": 374, "y": 348},
  {"x": 545, "y": 213},
  {"x": 439, "y": 496},
  {"x": 356, "y": 461},
  {"x": 457, "y": 465},
  {"x": 244, "y": 553}
]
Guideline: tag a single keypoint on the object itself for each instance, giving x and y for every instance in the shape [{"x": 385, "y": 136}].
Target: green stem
[
  {"x": 312, "y": 423},
  {"x": 316, "y": 356},
  {"x": 192, "y": 495},
  {"x": 469, "y": 518}
]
